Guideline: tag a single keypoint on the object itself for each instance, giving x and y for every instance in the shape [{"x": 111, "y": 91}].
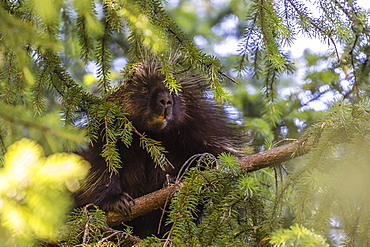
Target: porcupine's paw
[{"x": 120, "y": 204}]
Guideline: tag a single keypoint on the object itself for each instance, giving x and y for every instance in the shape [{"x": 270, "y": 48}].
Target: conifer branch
[
  {"x": 66, "y": 83},
  {"x": 268, "y": 158},
  {"x": 314, "y": 23}
]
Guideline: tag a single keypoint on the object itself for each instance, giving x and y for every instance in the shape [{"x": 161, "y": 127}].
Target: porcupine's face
[{"x": 150, "y": 105}]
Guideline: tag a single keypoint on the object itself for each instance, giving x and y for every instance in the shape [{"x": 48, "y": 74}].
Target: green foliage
[
  {"x": 155, "y": 150},
  {"x": 88, "y": 226},
  {"x": 18, "y": 122},
  {"x": 230, "y": 208},
  {"x": 109, "y": 118},
  {"x": 150, "y": 241},
  {"x": 267, "y": 32},
  {"x": 297, "y": 236},
  {"x": 332, "y": 186},
  {"x": 84, "y": 224}
]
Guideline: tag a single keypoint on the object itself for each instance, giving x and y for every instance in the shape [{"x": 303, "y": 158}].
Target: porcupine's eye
[{"x": 143, "y": 90}]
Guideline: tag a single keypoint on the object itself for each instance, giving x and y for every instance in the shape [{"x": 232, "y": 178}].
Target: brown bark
[
  {"x": 157, "y": 199},
  {"x": 275, "y": 155}
]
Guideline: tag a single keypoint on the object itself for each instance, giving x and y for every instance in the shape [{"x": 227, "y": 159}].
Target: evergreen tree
[{"x": 58, "y": 65}]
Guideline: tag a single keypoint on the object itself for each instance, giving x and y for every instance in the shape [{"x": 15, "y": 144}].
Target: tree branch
[
  {"x": 276, "y": 155},
  {"x": 159, "y": 198}
]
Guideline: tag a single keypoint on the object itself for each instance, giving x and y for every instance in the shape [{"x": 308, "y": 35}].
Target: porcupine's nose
[
  {"x": 164, "y": 103},
  {"x": 165, "y": 99}
]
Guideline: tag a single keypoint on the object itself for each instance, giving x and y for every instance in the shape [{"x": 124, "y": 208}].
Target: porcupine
[{"x": 186, "y": 123}]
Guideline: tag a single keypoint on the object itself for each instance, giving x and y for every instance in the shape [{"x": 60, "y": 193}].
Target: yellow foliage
[
  {"x": 89, "y": 79},
  {"x": 35, "y": 190}
]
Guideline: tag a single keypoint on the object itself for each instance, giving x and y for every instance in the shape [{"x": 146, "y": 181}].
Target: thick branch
[
  {"x": 276, "y": 155},
  {"x": 157, "y": 199}
]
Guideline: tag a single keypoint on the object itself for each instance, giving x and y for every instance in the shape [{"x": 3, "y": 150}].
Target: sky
[{"x": 230, "y": 44}]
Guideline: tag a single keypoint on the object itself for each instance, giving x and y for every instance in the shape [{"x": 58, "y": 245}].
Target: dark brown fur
[{"x": 191, "y": 125}]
